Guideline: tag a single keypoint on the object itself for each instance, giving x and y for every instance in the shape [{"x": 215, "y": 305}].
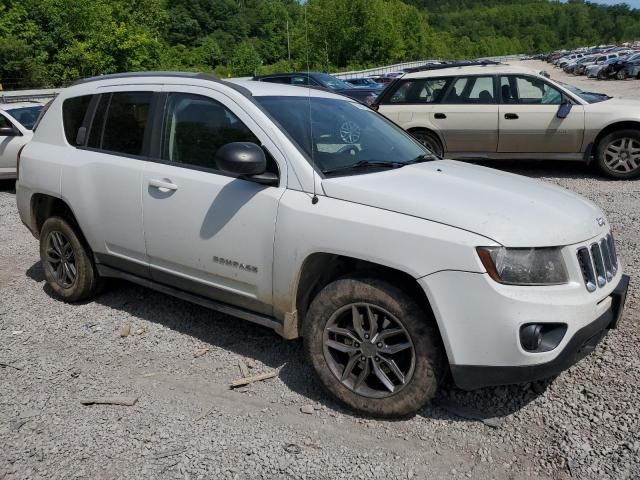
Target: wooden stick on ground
[
  {"x": 255, "y": 378},
  {"x": 124, "y": 401}
]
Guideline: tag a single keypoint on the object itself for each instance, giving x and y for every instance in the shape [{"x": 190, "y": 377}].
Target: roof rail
[
  {"x": 115, "y": 76},
  {"x": 441, "y": 66},
  {"x": 193, "y": 75}
]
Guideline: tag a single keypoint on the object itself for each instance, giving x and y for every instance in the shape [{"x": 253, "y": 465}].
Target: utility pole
[{"x": 288, "y": 42}]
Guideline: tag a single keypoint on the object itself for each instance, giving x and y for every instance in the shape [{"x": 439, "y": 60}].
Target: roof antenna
[{"x": 314, "y": 199}]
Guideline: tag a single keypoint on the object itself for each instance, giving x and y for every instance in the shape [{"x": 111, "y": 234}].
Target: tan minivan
[{"x": 506, "y": 112}]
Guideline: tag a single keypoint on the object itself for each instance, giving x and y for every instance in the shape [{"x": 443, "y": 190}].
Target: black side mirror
[
  {"x": 564, "y": 109},
  {"x": 246, "y": 160},
  {"x": 8, "y": 132}
]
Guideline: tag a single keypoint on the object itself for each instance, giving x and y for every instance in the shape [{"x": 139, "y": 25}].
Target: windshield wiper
[
  {"x": 364, "y": 164},
  {"x": 425, "y": 157}
]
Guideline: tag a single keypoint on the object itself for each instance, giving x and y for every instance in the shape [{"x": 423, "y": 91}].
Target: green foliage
[{"x": 54, "y": 42}]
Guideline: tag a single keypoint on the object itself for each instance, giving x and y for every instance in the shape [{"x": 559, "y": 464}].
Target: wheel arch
[
  {"x": 612, "y": 127},
  {"x": 44, "y": 206},
  {"x": 320, "y": 268}
]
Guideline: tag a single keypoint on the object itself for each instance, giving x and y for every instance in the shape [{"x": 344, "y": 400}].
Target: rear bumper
[{"x": 583, "y": 342}]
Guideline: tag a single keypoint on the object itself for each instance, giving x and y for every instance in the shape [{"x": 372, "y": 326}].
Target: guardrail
[
  {"x": 381, "y": 70},
  {"x": 28, "y": 95}
]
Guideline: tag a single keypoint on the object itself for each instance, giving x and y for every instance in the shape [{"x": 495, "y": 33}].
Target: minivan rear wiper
[{"x": 364, "y": 164}]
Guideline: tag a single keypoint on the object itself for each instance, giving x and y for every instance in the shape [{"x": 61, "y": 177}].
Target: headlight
[{"x": 524, "y": 266}]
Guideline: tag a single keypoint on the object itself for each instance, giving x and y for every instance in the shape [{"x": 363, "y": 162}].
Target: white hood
[{"x": 512, "y": 210}]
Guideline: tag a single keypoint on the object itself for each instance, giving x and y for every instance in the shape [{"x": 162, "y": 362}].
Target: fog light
[
  {"x": 531, "y": 337},
  {"x": 541, "y": 337}
]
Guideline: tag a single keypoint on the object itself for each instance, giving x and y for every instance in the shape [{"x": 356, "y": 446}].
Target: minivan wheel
[
  {"x": 373, "y": 347},
  {"x": 618, "y": 154},
  {"x": 429, "y": 140},
  {"x": 67, "y": 263}
]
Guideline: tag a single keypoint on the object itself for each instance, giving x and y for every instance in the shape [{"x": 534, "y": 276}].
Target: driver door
[
  {"x": 528, "y": 118},
  {"x": 207, "y": 232}
]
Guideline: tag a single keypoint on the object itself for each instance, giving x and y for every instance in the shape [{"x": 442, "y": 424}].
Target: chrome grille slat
[{"x": 598, "y": 262}]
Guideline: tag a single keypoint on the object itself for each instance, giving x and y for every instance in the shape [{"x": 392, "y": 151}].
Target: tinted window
[
  {"x": 97, "y": 125},
  {"x": 471, "y": 90},
  {"x": 125, "y": 122},
  {"x": 27, "y": 116},
  {"x": 285, "y": 80},
  {"x": 195, "y": 127},
  {"x": 73, "y": 112},
  {"x": 421, "y": 90},
  {"x": 299, "y": 80},
  {"x": 530, "y": 91},
  {"x": 4, "y": 122}
]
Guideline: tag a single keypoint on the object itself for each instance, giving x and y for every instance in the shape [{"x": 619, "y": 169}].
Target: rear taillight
[{"x": 18, "y": 162}]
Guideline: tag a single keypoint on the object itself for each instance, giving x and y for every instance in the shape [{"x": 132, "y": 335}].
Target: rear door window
[
  {"x": 120, "y": 122},
  {"x": 472, "y": 90}
]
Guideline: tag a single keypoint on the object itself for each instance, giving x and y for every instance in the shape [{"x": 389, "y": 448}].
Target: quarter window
[
  {"x": 471, "y": 90},
  {"x": 73, "y": 112},
  {"x": 195, "y": 127},
  {"x": 420, "y": 90}
]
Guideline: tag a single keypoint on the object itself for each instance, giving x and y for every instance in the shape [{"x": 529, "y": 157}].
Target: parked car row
[{"x": 602, "y": 63}]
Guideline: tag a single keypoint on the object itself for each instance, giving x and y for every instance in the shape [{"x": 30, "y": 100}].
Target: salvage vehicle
[
  {"x": 632, "y": 67},
  {"x": 614, "y": 69},
  {"x": 16, "y": 129},
  {"x": 506, "y": 112},
  {"x": 309, "y": 213}
]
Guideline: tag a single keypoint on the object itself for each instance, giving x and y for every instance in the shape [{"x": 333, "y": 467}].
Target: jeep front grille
[{"x": 598, "y": 263}]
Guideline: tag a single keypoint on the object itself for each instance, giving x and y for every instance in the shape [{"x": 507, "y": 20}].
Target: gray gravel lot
[{"x": 187, "y": 424}]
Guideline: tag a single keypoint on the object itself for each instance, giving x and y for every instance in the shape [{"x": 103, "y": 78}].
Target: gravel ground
[{"x": 187, "y": 424}]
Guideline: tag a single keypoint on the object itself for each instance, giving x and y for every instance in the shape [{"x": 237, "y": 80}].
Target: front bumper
[{"x": 583, "y": 342}]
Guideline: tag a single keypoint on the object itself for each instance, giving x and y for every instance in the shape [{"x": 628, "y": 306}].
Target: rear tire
[
  {"x": 429, "y": 140},
  {"x": 618, "y": 154},
  {"x": 387, "y": 364},
  {"x": 67, "y": 262},
  {"x": 621, "y": 74}
]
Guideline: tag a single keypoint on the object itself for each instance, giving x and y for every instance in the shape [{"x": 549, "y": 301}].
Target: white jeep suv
[
  {"x": 506, "y": 112},
  {"x": 309, "y": 213}
]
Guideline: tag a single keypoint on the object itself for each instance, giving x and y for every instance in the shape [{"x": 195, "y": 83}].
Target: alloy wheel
[
  {"x": 623, "y": 155},
  {"x": 61, "y": 259},
  {"x": 368, "y": 350}
]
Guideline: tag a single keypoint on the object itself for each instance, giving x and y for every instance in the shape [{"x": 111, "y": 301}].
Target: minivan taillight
[{"x": 18, "y": 162}]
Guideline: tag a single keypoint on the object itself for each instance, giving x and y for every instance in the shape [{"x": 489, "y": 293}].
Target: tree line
[{"x": 45, "y": 43}]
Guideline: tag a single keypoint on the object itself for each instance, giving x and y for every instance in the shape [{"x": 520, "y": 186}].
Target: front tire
[
  {"x": 621, "y": 74},
  {"x": 373, "y": 347},
  {"x": 67, "y": 262},
  {"x": 618, "y": 154}
]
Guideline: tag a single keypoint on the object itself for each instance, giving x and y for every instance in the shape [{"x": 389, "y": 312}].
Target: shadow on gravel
[
  {"x": 545, "y": 168},
  {"x": 263, "y": 345},
  {"x": 8, "y": 186}
]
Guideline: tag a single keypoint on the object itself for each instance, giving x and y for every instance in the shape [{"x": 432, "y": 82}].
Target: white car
[
  {"x": 307, "y": 212},
  {"x": 507, "y": 112},
  {"x": 16, "y": 129}
]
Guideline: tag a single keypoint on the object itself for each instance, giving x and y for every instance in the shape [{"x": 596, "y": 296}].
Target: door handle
[
  {"x": 511, "y": 116},
  {"x": 163, "y": 186},
  {"x": 440, "y": 115}
]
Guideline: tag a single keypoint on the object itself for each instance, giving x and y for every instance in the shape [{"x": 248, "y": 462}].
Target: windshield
[
  {"x": 27, "y": 116},
  {"x": 589, "y": 97},
  {"x": 342, "y": 133},
  {"x": 331, "y": 82}
]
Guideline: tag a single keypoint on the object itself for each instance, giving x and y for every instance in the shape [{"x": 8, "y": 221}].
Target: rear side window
[
  {"x": 419, "y": 90},
  {"x": 285, "y": 80},
  {"x": 472, "y": 90},
  {"x": 73, "y": 112},
  {"x": 120, "y": 121}
]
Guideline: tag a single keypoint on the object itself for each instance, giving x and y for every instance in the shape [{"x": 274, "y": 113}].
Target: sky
[{"x": 631, "y": 3}]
